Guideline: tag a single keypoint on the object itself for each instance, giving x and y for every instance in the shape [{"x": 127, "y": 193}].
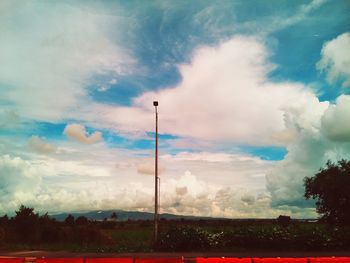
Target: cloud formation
[
  {"x": 238, "y": 103},
  {"x": 78, "y": 133},
  {"x": 336, "y": 120},
  {"x": 335, "y": 60},
  {"x": 103, "y": 178},
  {"x": 65, "y": 46},
  {"x": 322, "y": 135},
  {"x": 40, "y": 146},
  {"x": 321, "y": 132},
  {"x": 218, "y": 93},
  {"x": 9, "y": 119},
  {"x": 19, "y": 182}
]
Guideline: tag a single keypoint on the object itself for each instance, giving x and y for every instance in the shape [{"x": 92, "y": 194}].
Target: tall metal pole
[{"x": 155, "y": 103}]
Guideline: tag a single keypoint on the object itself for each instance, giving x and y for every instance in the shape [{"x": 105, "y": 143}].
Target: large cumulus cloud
[
  {"x": 336, "y": 120},
  {"x": 326, "y": 139},
  {"x": 335, "y": 59},
  {"x": 224, "y": 95},
  {"x": 321, "y": 132},
  {"x": 19, "y": 182}
]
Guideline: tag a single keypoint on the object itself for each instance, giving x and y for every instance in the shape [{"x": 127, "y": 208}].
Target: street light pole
[{"x": 155, "y": 104}]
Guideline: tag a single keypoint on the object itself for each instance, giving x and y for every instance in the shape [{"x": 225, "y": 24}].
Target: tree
[
  {"x": 26, "y": 224},
  {"x": 4, "y": 220},
  {"x": 48, "y": 228},
  {"x": 69, "y": 221},
  {"x": 331, "y": 189},
  {"x": 82, "y": 220},
  {"x": 114, "y": 216},
  {"x": 283, "y": 220}
]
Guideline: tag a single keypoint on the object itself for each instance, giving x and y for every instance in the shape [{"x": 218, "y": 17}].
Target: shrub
[
  {"x": 183, "y": 239},
  {"x": 2, "y": 235},
  {"x": 283, "y": 220},
  {"x": 89, "y": 235},
  {"x": 82, "y": 221},
  {"x": 69, "y": 221},
  {"x": 26, "y": 225},
  {"x": 49, "y": 231},
  {"x": 108, "y": 224}
]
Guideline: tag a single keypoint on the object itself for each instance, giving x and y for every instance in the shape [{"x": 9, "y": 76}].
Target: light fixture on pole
[{"x": 155, "y": 104}]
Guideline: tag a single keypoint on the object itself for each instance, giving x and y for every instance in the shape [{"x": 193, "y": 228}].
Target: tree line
[{"x": 30, "y": 227}]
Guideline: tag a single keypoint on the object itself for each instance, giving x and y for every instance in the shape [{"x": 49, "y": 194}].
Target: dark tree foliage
[
  {"x": 4, "y": 220},
  {"x": 81, "y": 221},
  {"x": 26, "y": 224},
  {"x": 69, "y": 221},
  {"x": 48, "y": 228},
  {"x": 284, "y": 220},
  {"x": 114, "y": 216},
  {"x": 331, "y": 189}
]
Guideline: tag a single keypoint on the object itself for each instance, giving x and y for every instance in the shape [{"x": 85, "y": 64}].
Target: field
[{"x": 181, "y": 236}]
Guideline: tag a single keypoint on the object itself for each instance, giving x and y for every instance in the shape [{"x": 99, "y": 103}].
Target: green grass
[{"x": 138, "y": 237}]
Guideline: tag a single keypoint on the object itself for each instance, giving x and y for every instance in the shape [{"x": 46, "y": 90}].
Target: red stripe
[
  {"x": 280, "y": 260},
  {"x": 158, "y": 260},
  {"x": 109, "y": 260},
  {"x": 11, "y": 260},
  {"x": 330, "y": 259},
  {"x": 59, "y": 260},
  {"x": 223, "y": 260}
]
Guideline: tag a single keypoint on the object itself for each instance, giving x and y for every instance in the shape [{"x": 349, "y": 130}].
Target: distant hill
[
  {"x": 135, "y": 215},
  {"x": 123, "y": 215}
]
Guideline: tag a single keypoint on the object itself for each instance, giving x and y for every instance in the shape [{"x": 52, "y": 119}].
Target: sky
[{"x": 253, "y": 97}]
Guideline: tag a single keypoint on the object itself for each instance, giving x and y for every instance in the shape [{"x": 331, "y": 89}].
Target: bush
[
  {"x": 2, "y": 235},
  {"x": 183, "y": 239},
  {"x": 108, "y": 224},
  {"x": 89, "y": 235},
  {"x": 49, "y": 231},
  {"x": 69, "y": 221},
  {"x": 26, "y": 225},
  {"x": 283, "y": 220},
  {"x": 82, "y": 221}
]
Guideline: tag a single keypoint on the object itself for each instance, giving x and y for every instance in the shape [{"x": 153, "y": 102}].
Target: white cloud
[
  {"x": 224, "y": 95},
  {"x": 189, "y": 195},
  {"x": 103, "y": 178},
  {"x": 320, "y": 131},
  {"x": 224, "y": 169},
  {"x": 321, "y": 134},
  {"x": 9, "y": 119},
  {"x": 147, "y": 166},
  {"x": 212, "y": 19},
  {"x": 40, "y": 146},
  {"x": 51, "y": 57},
  {"x": 206, "y": 184},
  {"x": 300, "y": 15},
  {"x": 336, "y": 120},
  {"x": 248, "y": 199},
  {"x": 181, "y": 190},
  {"x": 335, "y": 60},
  {"x": 78, "y": 133},
  {"x": 19, "y": 182}
]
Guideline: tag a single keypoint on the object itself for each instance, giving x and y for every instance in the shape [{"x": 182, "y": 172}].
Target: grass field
[{"x": 214, "y": 235}]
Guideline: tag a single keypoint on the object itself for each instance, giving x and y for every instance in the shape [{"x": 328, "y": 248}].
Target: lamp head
[{"x": 155, "y": 103}]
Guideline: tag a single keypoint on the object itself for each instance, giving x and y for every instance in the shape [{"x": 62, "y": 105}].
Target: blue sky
[{"x": 253, "y": 97}]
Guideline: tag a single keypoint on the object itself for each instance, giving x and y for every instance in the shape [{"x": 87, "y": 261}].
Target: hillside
[{"x": 122, "y": 215}]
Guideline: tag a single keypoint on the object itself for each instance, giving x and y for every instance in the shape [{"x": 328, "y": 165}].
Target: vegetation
[
  {"x": 29, "y": 230},
  {"x": 255, "y": 236},
  {"x": 331, "y": 189}
]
